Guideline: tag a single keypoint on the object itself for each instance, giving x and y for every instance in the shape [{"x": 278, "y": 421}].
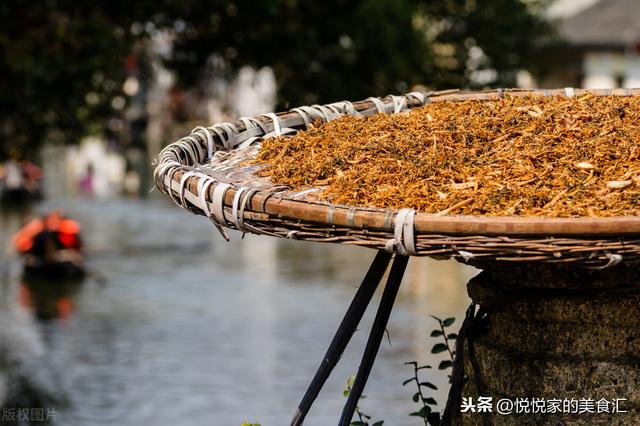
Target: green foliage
[
  {"x": 427, "y": 412},
  {"x": 467, "y": 37},
  {"x": 339, "y": 49},
  {"x": 363, "y": 419},
  {"x": 62, "y": 62},
  {"x": 320, "y": 51}
]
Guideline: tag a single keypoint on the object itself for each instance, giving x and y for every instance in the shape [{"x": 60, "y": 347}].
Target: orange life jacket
[
  {"x": 67, "y": 232},
  {"x": 23, "y": 239}
]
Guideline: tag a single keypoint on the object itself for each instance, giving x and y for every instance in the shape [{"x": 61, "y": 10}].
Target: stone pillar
[{"x": 556, "y": 332}]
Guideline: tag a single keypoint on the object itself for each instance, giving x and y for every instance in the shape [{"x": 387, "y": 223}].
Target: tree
[
  {"x": 484, "y": 44},
  {"x": 340, "y": 49},
  {"x": 63, "y": 62},
  {"x": 62, "y": 67}
]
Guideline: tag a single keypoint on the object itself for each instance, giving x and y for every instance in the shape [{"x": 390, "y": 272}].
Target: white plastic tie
[
  {"x": 276, "y": 123},
  {"x": 614, "y": 259},
  {"x": 344, "y": 107},
  {"x": 569, "y": 92},
  {"x": 418, "y": 95},
  {"x": 203, "y": 188},
  {"x": 466, "y": 255},
  {"x": 232, "y": 134},
  {"x": 188, "y": 148},
  {"x": 304, "y": 115},
  {"x": 170, "y": 184},
  {"x": 235, "y": 206},
  {"x": 304, "y": 192},
  {"x": 244, "y": 203},
  {"x": 403, "y": 234},
  {"x": 221, "y": 136},
  {"x": 313, "y": 113},
  {"x": 248, "y": 142},
  {"x": 248, "y": 124},
  {"x": 217, "y": 200},
  {"x": 252, "y": 123},
  {"x": 378, "y": 104},
  {"x": 398, "y": 103},
  {"x": 324, "y": 112},
  {"x": 198, "y": 130},
  {"x": 183, "y": 184}
]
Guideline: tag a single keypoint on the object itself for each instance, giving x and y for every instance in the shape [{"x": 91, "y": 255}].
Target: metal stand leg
[
  {"x": 377, "y": 332},
  {"x": 346, "y": 329}
]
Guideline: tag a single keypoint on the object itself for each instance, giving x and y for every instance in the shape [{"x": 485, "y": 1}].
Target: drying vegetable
[{"x": 527, "y": 156}]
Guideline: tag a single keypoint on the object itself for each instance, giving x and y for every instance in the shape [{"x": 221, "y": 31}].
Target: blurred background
[{"x": 118, "y": 307}]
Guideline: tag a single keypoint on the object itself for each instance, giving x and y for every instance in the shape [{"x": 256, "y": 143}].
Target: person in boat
[
  {"x": 20, "y": 181},
  {"x": 50, "y": 240},
  {"x": 13, "y": 182},
  {"x": 32, "y": 175}
]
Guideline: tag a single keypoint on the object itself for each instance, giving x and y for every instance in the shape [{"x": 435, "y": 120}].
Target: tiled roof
[{"x": 606, "y": 23}]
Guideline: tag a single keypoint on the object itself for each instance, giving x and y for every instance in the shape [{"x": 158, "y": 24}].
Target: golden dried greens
[{"x": 527, "y": 156}]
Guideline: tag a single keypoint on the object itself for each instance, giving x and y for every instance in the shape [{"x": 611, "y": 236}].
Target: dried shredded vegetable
[{"x": 527, "y": 156}]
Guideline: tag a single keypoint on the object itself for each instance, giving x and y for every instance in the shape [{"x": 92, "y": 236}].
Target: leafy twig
[
  {"x": 426, "y": 412},
  {"x": 363, "y": 419}
]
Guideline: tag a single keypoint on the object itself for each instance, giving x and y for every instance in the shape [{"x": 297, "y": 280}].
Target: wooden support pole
[
  {"x": 377, "y": 332},
  {"x": 343, "y": 335}
]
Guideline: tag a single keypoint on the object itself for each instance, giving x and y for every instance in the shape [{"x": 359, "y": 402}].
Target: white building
[{"x": 603, "y": 47}]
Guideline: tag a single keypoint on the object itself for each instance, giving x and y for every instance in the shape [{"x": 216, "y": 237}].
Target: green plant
[
  {"x": 363, "y": 419},
  {"x": 427, "y": 412}
]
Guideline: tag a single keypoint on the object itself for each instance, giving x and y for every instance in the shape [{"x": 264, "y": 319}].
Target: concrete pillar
[{"x": 556, "y": 332}]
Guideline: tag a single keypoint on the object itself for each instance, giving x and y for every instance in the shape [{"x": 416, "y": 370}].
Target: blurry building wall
[
  {"x": 252, "y": 92},
  {"x": 600, "y": 45},
  {"x": 611, "y": 69},
  {"x": 107, "y": 168},
  {"x": 65, "y": 167}
]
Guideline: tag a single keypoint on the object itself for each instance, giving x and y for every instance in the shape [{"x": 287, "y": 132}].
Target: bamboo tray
[{"x": 206, "y": 173}]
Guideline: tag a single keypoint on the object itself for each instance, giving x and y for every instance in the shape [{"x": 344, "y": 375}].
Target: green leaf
[
  {"x": 445, "y": 364},
  {"x": 416, "y": 397},
  {"x": 424, "y": 411},
  {"x": 430, "y": 401},
  {"x": 429, "y": 385},
  {"x": 346, "y": 392},
  {"x": 407, "y": 381},
  {"x": 378, "y": 423},
  {"x": 436, "y": 333},
  {"x": 358, "y": 423},
  {"x": 434, "y": 419},
  {"x": 447, "y": 322},
  {"x": 350, "y": 380},
  {"x": 439, "y": 347},
  {"x": 452, "y": 336}
]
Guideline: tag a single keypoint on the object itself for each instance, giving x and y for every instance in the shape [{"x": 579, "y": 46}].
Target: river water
[{"x": 178, "y": 327}]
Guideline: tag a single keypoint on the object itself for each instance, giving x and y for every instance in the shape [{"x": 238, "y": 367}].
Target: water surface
[{"x": 191, "y": 330}]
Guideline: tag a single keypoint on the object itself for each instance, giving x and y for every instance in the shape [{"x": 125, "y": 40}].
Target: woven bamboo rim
[{"x": 202, "y": 173}]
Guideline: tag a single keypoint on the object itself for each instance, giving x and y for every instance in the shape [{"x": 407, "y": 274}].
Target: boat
[
  {"x": 51, "y": 248},
  {"x": 19, "y": 183}
]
